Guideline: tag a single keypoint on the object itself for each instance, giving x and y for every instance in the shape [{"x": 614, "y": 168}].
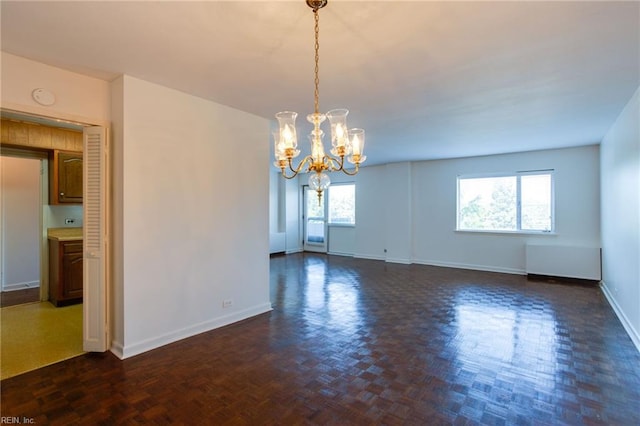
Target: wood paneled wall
[{"x": 31, "y": 135}]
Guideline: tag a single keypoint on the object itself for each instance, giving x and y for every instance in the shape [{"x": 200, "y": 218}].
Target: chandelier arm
[
  {"x": 284, "y": 174},
  {"x": 334, "y": 164},
  {"x": 355, "y": 172},
  {"x": 300, "y": 166}
]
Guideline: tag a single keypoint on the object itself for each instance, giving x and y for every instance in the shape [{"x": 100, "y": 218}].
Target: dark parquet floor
[
  {"x": 366, "y": 342},
  {"x": 18, "y": 297}
]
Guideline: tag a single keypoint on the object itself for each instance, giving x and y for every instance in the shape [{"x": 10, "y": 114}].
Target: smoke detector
[{"x": 43, "y": 96}]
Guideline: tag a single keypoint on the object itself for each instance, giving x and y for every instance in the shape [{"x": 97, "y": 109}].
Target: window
[
  {"x": 342, "y": 204},
  {"x": 518, "y": 202}
]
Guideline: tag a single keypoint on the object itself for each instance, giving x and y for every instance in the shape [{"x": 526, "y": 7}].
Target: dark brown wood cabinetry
[
  {"x": 65, "y": 177},
  {"x": 65, "y": 272}
]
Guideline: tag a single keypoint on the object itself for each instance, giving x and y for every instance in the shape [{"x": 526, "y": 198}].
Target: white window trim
[{"x": 517, "y": 231}]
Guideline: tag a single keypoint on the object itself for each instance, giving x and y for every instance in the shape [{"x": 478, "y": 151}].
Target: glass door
[{"x": 315, "y": 223}]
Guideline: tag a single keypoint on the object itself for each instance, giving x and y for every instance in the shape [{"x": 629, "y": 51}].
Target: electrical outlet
[
  {"x": 227, "y": 303},
  {"x": 69, "y": 221}
]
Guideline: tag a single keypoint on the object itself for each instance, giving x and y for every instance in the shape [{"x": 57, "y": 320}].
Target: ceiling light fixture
[{"x": 344, "y": 142}]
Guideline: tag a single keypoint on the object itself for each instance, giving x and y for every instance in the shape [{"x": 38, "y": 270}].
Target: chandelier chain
[
  {"x": 316, "y": 93},
  {"x": 346, "y": 144}
]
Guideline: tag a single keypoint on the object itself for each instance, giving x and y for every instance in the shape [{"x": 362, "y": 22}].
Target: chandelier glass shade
[{"x": 345, "y": 143}]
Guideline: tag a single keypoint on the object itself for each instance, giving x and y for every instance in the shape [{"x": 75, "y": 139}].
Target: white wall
[
  {"x": 341, "y": 240},
  {"x": 406, "y": 212},
  {"x": 577, "y": 198},
  {"x": 620, "y": 187},
  {"x": 371, "y": 227},
  {"x": 292, "y": 216},
  {"x": 78, "y": 97},
  {"x": 116, "y": 220},
  {"x": 20, "y": 228},
  {"x": 398, "y": 201},
  {"x": 194, "y": 225},
  {"x": 56, "y": 215},
  {"x": 277, "y": 213}
]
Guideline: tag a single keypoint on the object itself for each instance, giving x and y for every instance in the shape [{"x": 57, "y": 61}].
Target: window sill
[
  {"x": 540, "y": 233},
  {"x": 341, "y": 225}
]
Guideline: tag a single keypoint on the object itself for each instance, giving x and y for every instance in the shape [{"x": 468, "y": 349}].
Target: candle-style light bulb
[{"x": 287, "y": 136}]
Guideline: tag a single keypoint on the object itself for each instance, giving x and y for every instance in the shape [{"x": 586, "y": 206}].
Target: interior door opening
[
  {"x": 22, "y": 183},
  {"x": 93, "y": 316}
]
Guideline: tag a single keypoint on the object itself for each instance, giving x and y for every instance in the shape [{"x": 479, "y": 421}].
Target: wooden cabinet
[
  {"x": 65, "y": 177},
  {"x": 65, "y": 272}
]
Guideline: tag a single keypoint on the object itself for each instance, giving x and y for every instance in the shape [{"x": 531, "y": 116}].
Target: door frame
[
  {"x": 102, "y": 298},
  {"x": 310, "y": 195}
]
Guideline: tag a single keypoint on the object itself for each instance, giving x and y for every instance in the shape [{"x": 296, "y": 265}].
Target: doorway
[
  {"x": 315, "y": 221},
  {"x": 87, "y": 320},
  {"x": 21, "y": 213},
  {"x": 34, "y": 332}
]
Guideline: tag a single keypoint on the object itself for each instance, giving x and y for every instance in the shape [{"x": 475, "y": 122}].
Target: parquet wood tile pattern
[
  {"x": 365, "y": 342},
  {"x": 19, "y": 297}
]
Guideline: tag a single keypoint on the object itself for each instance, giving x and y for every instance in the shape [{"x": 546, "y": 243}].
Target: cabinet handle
[{"x": 62, "y": 194}]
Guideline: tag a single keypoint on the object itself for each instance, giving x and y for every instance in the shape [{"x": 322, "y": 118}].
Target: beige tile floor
[{"x": 38, "y": 334}]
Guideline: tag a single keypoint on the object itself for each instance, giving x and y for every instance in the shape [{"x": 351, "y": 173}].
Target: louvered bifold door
[{"x": 95, "y": 240}]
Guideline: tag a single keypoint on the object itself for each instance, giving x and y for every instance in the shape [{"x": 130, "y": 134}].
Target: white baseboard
[
  {"x": 128, "y": 351},
  {"x": 471, "y": 267},
  {"x": 339, "y": 253},
  {"x": 21, "y": 286},
  {"x": 628, "y": 327},
  {"x": 398, "y": 260},
  {"x": 117, "y": 349},
  {"x": 367, "y": 256},
  {"x": 292, "y": 251}
]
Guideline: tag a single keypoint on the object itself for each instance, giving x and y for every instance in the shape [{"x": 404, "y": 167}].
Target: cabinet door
[
  {"x": 72, "y": 267},
  {"x": 69, "y": 177}
]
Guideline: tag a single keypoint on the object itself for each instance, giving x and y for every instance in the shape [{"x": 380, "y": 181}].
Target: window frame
[{"x": 518, "y": 175}]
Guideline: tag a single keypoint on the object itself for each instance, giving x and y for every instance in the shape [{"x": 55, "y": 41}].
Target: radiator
[{"x": 563, "y": 261}]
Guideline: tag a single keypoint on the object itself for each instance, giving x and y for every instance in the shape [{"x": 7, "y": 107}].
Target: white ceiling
[{"x": 426, "y": 79}]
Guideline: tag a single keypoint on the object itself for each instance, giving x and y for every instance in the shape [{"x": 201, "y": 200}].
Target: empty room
[{"x": 320, "y": 212}]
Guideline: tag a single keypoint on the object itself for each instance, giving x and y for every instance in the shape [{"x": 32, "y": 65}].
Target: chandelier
[{"x": 345, "y": 142}]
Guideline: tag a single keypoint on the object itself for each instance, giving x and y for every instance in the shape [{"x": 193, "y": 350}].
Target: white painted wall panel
[
  {"x": 620, "y": 164},
  {"x": 434, "y": 209},
  {"x": 277, "y": 242},
  {"x": 342, "y": 240},
  {"x": 370, "y": 234},
  {"x": 292, "y": 216},
  {"x": 195, "y": 226},
  {"x": 397, "y": 207},
  {"x": 78, "y": 97},
  {"x": 20, "y": 228},
  {"x": 563, "y": 261}
]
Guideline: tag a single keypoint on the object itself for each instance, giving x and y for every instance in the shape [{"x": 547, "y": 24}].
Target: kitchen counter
[{"x": 64, "y": 234}]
